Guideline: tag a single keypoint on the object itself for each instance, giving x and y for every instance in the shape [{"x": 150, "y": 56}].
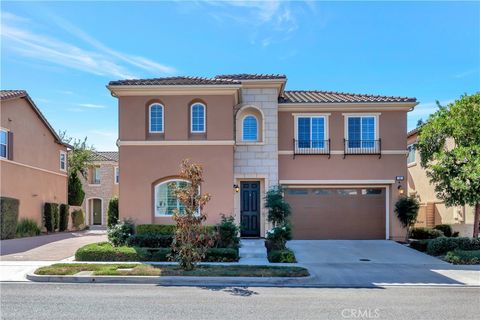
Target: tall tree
[
  {"x": 449, "y": 145},
  {"x": 79, "y": 156}
]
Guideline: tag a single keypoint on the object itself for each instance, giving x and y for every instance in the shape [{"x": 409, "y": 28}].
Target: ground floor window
[{"x": 165, "y": 199}]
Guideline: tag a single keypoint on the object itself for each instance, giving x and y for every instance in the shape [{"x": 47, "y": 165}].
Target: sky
[{"x": 65, "y": 53}]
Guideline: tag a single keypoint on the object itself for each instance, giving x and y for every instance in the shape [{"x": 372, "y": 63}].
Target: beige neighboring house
[
  {"x": 33, "y": 159},
  {"x": 100, "y": 186},
  {"x": 339, "y": 156},
  {"x": 433, "y": 211}
]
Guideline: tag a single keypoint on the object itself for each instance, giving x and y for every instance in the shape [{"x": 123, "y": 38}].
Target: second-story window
[
  {"x": 156, "y": 118},
  {"x": 197, "y": 118},
  {"x": 3, "y": 143},
  {"x": 250, "y": 128},
  {"x": 63, "y": 161},
  {"x": 311, "y": 132},
  {"x": 411, "y": 159},
  {"x": 361, "y": 132},
  {"x": 94, "y": 175},
  {"x": 117, "y": 175}
]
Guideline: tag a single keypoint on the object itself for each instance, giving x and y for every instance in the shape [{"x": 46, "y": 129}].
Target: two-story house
[
  {"x": 340, "y": 157},
  {"x": 33, "y": 159},
  {"x": 100, "y": 185}
]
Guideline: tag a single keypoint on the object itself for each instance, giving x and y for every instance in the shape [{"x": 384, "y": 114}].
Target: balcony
[
  {"x": 311, "y": 147},
  {"x": 362, "y": 147}
]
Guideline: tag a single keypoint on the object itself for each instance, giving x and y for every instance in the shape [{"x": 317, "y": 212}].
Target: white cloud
[
  {"x": 103, "y": 133},
  {"x": 91, "y": 106}
]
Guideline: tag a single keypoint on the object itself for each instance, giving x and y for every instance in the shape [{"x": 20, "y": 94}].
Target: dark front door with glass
[{"x": 250, "y": 208}]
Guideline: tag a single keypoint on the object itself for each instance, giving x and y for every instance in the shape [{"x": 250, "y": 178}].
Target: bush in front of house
[
  {"x": 63, "y": 212},
  {"x": 281, "y": 256},
  {"x": 8, "y": 217},
  {"x": 420, "y": 245},
  {"x": 104, "y": 251},
  {"x": 425, "y": 233},
  {"x": 442, "y": 245},
  {"x": 166, "y": 229},
  {"x": 78, "y": 218},
  {"x": 50, "y": 216},
  {"x": 112, "y": 212},
  {"x": 119, "y": 234},
  {"x": 150, "y": 240},
  {"x": 228, "y": 232},
  {"x": 75, "y": 190},
  {"x": 445, "y": 228},
  {"x": 27, "y": 228},
  {"x": 221, "y": 255},
  {"x": 463, "y": 257},
  {"x": 277, "y": 237},
  {"x": 406, "y": 209}
]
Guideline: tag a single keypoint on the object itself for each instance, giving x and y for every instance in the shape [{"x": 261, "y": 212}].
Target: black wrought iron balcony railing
[
  {"x": 302, "y": 147},
  {"x": 353, "y": 147}
]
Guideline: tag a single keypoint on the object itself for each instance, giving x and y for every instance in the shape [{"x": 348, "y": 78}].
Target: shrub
[
  {"x": 455, "y": 234},
  {"x": 282, "y": 256},
  {"x": 75, "y": 190},
  {"x": 50, "y": 216},
  {"x": 78, "y": 218},
  {"x": 277, "y": 237},
  {"x": 463, "y": 257},
  {"x": 119, "y": 234},
  {"x": 420, "y": 245},
  {"x": 278, "y": 209},
  {"x": 445, "y": 228},
  {"x": 112, "y": 213},
  {"x": 27, "y": 228},
  {"x": 406, "y": 209},
  {"x": 150, "y": 240},
  {"x": 159, "y": 254},
  {"x": 63, "y": 224},
  {"x": 8, "y": 217},
  {"x": 442, "y": 245},
  {"x": 425, "y": 233},
  {"x": 104, "y": 251},
  {"x": 221, "y": 255},
  {"x": 166, "y": 229},
  {"x": 228, "y": 232}
]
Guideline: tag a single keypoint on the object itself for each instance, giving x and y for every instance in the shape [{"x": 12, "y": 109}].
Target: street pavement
[{"x": 98, "y": 301}]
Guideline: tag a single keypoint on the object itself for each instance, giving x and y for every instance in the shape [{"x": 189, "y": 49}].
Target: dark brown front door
[{"x": 250, "y": 208}]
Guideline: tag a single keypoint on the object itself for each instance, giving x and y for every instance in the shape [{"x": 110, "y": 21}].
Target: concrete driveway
[{"x": 373, "y": 263}]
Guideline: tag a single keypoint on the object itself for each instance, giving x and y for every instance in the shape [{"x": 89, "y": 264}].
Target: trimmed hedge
[
  {"x": 445, "y": 228},
  {"x": 150, "y": 240},
  {"x": 63, "y": 224},
  {"x": 50, "y": 216},
  {"x": 425, "y": 233},
  {"x": 463, "y": 257},
  {"x": 8, "y": 217},
  {"x": 27, "y": 228},
  {"x": 112, "y": 213},
  {"x": 104, "y": 251},
  {"x": 442, "y": 245},
  {"x": 282, "y": 256},
  {"x": 420, "y": 245},
  {"x": 221, "y": 255}
]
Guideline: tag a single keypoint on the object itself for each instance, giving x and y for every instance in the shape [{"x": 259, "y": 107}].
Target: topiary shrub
[
  {"x": 27, "y": 228},
  {"x": 119, "y": 234},
  {"x": 63, "y": 213},
  {"x": 150, "y": 240},
  {"x": 75, "y": 190},
  {"x": 167, "y": 229},
  {"x": 112, "y": 212},
  {"x": 442, "y": 245},
  {"x": 228, "y": 232},
  {"x": 8, "y": 217},
  {"x": 104, "y": 251},
  {"x": 425, "y": 233},
  {"x": 420, "y": 245},
  {"x": 406, "y": 209},
  {"x": 281, "y": 256},
  {"x": 78, "y": 218},
  {"x": 445, "y": 228},
  {"x": 221, "y": 255},
  {"x": 50, "y": 216}
]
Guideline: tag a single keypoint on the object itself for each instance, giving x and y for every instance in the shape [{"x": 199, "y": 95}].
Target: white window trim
[
  {"x": 150, "y": 117},
  {"x": 376, "y": 122},
  {"x": 60, "y": 158},
  {"x": 204, "y": 117},
  {"x": 415, "y": 154},
  {"x": 115, "y": 170},
  {"x": 258, "y": 129},
  {"x": 325, "y": 117},
  {"x": 6, "y": 142},
  {"x": 155, "y": 197}
]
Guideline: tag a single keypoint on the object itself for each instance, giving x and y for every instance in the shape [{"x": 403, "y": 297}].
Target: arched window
[
  {"x": 250, "y": 128},
  {"x": 197, "y": 118},
  {"x": 156, "y": 118},
  {"x": 165, "y": 200}
]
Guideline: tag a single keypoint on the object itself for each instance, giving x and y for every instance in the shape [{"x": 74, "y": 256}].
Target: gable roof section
[
  {"x": 104, "y": 156},
  {"x": 252, "y": 76},
  {"x": 173, "y": 81},
  {"x": 315, "y": 96},
  {"x": 6, "y": 95}
]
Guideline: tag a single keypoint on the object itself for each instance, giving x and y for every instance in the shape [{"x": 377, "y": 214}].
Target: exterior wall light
[
  {"x": 400, "y": 189},
  {"x": 236, "y": 187}
]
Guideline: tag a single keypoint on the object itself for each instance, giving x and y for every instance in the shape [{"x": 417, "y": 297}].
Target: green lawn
[{"x": 171, "y": 270}]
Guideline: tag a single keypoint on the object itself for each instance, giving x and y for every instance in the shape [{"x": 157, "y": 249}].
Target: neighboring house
[
  {"x": 433, "y": 210},
  {"x": 100, "y": 185},
  {"x": 338, "y": 155},
  {"x": 33, "y": 159}
]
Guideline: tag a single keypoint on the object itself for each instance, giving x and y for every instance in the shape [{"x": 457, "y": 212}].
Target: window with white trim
[
  {"x": 361, "y": 132},
  {"x": 165, "y": 200},
  {"x": 63, "y": 161},
  {"x": 156, "y": 118},
  {"x": 197, "y": 119},
  {"x": 3, "y": 143},
  {"x": 412, "y": 157},
  {"x": 311, "y": 132},
  {"x": 117, "y": 175},
  {"x": 250, "y": 128}
]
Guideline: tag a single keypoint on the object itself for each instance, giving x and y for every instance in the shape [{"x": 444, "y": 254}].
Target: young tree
[
  {"x": 406, "y": 209},
  {"x": 78, "y": 157},
  {"x": 449, "y": 145},
  {"x": 191, "y": 240}
]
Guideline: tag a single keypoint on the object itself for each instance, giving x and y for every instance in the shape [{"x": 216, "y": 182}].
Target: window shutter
[{"x": 10, "y": 146}]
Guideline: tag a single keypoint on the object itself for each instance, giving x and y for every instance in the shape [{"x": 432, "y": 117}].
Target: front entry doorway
[
  {"x": 96, "y": 210},
  {"x": 250, "y": 208}
]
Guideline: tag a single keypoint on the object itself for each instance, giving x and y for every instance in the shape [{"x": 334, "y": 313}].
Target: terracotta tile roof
[
  {"x": 10, "y": 94},
  {"x": 104, "y": 156},
  {"x": 173, "y": 81},
  {"x": 315, "y": 96},
  {"x": 251, "y": 76}
]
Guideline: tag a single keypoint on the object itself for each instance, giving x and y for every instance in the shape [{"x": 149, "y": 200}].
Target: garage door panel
[{"x": 340, "y": 213}]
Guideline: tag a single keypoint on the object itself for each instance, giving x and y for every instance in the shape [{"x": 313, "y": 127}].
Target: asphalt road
[{"x": 98, "y": 301}]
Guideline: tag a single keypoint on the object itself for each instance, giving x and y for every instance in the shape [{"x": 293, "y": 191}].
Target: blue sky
[{"x": 64, "y": 53}]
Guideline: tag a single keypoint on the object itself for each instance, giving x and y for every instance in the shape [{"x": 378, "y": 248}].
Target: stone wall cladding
[{"x": 261, "y": 160}]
